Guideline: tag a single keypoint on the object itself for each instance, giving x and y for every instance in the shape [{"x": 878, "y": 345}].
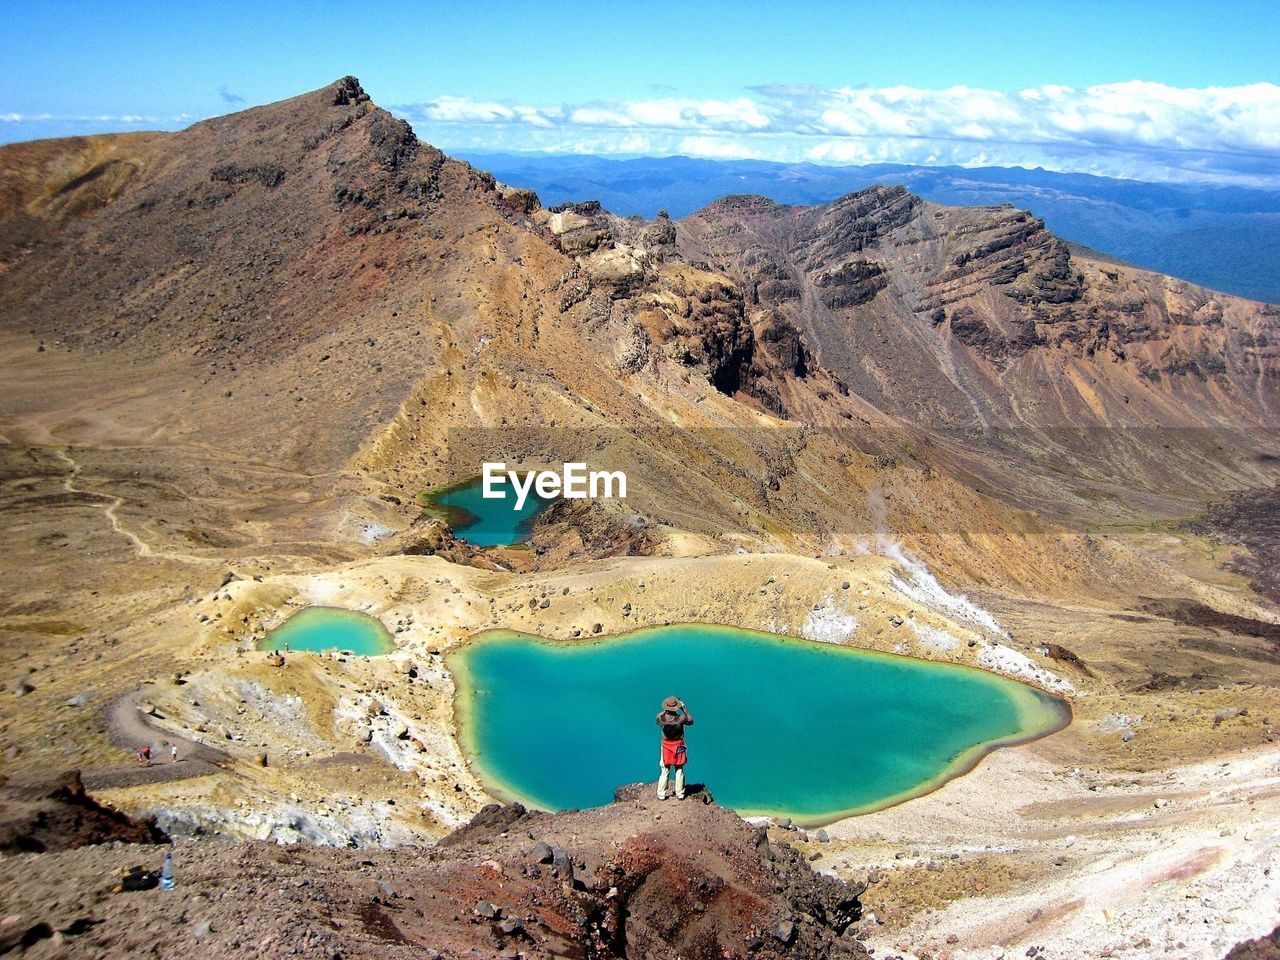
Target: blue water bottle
[{"x": 166, "y": 873}]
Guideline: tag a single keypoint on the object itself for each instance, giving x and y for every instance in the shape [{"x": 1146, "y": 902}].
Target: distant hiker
[
  {"x": 673, "y": 718},
  {"x": 144, "y": 755},
  {"x": 173, "y": 754}
]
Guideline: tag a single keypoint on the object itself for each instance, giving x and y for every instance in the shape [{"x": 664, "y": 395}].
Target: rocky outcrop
[
  {"x": 972, "y": 329},
  {"x": 769, "y": 281},
  {"x": 579, "y": 228},
  {"x": 659, "y": 237},
  {"x": 347, "y": 91},
  {"x": 569, "y": 531},
  {"x": 779, "y": 346},
  {"x": 636, "y": 879},
  {"x": 429, "y": 536},
  {"x": 953, "y": 316},
  {"x": 851, "y": 283},
  {"x": 612, "y": 883},
  {"x": 829, "y": 234},
  {"x": 267, "y": 174},
  {"x": 1010, "y": 249},
  {"x": 697, "y": 317},
  {"x": 60, "y": 815},
  {"x": 391, "y": 177}
]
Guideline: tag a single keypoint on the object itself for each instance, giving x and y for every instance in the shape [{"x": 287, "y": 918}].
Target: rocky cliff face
[{"x": 957, "y": 317}]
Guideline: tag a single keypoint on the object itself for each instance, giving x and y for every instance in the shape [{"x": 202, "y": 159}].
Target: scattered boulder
[
  {"x": 541, "y": 853},
  {"x": 510, "y": 925},
  {"x": 784, "y": 931},
  {"x": 562, "y": 865}
]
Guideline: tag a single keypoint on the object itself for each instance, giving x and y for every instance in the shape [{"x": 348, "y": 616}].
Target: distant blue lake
[
  {"x": 481, "y": 521},
  {"x": 783, "y": 726},
  {"x": 330, "y": 628}
]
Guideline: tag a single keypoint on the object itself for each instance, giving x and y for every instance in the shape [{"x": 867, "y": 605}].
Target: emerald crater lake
[
  {"x": 484, "y": 521},
  {"x": 316, "y": 629},
  {"x": 784, "y": 727}
]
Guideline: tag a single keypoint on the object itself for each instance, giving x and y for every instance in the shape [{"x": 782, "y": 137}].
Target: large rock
[{"x": 60, "y": 814}]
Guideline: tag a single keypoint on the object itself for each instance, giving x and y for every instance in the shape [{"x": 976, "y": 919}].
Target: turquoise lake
[
  {"x": 330, "y": 628},
  {"x": 481, "y": 521},
  {"x": 784, "y": 727}
]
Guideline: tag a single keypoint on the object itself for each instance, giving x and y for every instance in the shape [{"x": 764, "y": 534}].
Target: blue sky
[{"x": 1173, "y": 90}]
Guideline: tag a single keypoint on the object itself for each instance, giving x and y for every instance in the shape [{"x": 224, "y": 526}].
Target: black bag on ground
[{"x": 136, "y": 878}]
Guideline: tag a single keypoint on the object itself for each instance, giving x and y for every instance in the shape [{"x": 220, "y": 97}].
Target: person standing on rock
[{"x": 673, "y": 718}]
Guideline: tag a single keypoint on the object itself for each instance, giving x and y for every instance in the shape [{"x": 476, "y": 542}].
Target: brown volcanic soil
[
  {"x": 1252, "y": 520},
  {"x": 41, "y": 817},
  {"x": 1263, "y": 948},
  {"x": 638, "y": 879}
]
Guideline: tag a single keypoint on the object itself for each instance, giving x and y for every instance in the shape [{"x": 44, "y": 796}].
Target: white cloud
[
  {"x": 721, "y": 148},
  {"x": 1135, "y": 128},
  {"x": 126, "y": 119}
]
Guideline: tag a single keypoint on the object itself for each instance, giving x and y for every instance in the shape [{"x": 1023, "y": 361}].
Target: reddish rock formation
[{"x": 60, "y": 815}]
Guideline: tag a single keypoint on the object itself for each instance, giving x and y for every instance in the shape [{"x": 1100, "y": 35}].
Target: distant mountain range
[{"x": 1225, "y": 238}]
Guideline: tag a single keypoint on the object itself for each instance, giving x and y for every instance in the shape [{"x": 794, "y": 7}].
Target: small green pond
[
  {"x": 484, "y": 521},
  {"x": 330, "y": 628},
  {"x": 784, "y": 727}
]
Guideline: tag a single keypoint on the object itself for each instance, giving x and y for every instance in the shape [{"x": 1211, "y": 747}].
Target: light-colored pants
[{"x": 662, "y": 781}]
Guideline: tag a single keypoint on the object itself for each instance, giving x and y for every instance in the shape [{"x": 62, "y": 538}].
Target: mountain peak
[{"x": 347, "y": 90}]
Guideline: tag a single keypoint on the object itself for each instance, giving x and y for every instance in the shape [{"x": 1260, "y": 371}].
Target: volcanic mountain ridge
[{"x": 246, "y": 348}]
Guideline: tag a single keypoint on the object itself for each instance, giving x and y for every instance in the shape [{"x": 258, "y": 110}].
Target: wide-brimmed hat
[{"x": 671, "y": 703}]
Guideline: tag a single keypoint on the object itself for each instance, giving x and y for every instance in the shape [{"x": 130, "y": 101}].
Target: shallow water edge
[{"x": 1040, "y": 713}]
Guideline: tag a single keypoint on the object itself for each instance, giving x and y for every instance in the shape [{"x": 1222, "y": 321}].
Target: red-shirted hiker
[{"x": 673, "y": 718}]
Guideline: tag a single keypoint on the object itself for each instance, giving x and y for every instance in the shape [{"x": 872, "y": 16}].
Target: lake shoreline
[{"x": 1031, "y": 703}]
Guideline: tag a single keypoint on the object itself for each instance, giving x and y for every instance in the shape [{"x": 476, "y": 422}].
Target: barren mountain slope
[
  {"x": 337, "y": 286},
  {"x": 981, "y": 327},
  {"x": 308, "y": 293},
  {"x": 636, "y": 879}
]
